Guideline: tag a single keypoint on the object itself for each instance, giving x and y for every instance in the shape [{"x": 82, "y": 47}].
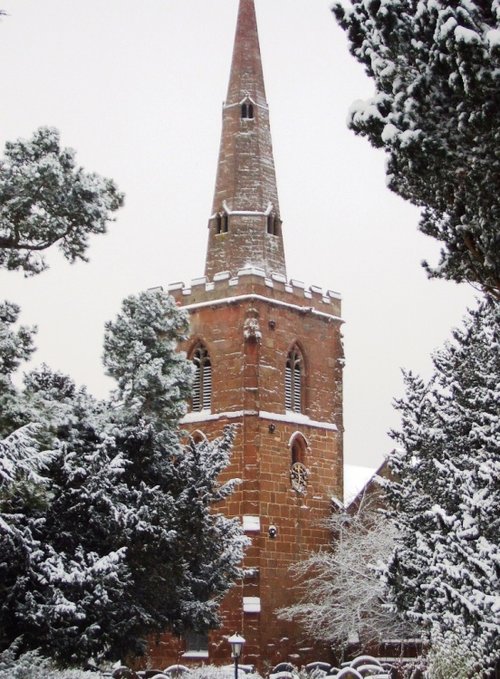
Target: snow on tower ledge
[{"x": 251, "y": 281}]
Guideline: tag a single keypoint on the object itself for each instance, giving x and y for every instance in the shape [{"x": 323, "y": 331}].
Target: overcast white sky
[{"x": 136, "y": 88}]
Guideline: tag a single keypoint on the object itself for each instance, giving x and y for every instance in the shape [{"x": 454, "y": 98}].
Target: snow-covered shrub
[
  {"x": 32, "y": 665},
  {"x": 72, "y": 674},
  {"x": 452, "y": 656},
  {"x": 219, "y": 672},
  {"x": 342, "y": 595}
]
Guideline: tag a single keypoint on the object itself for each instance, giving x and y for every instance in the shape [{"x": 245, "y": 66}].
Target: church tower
[{"x": 268, "y": 359}]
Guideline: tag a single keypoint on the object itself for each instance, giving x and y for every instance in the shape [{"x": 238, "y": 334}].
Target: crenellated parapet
[{"x": 225, "y": 288}]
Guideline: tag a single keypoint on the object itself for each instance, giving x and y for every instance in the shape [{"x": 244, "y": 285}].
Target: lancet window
[
  {"x": 222, "y": 222},
  {"x": 202, "y": 387},
  {"x": 294, "y": 374},
  {"x": 273, "y": 225},
  {"x": 247, "y": 112}
]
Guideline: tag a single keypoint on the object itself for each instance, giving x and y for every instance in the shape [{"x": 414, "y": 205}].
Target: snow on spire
[{"x": 245, "y": 226}]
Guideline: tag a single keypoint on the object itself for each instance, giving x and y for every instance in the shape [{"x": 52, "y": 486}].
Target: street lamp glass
[{"x": 236, "y": 642}]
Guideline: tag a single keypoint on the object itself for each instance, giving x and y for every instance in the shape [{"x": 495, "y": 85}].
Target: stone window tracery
[{"x": 299, "y": 474}]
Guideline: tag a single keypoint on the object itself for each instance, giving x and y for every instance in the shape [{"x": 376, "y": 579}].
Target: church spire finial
[{"x": 245, "y": 226}]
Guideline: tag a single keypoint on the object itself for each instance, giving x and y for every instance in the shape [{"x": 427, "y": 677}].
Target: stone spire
[{"x": 245, "y": 225}]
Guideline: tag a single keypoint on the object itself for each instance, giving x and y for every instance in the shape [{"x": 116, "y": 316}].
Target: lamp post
[{"x": 236, "y": 642}]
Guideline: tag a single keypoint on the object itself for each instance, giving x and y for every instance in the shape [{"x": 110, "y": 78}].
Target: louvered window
[
  {"x": 293, "y": 381},
  {"x": 202, "y": 387}
]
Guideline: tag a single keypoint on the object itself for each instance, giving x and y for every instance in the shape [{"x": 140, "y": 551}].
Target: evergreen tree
[
  {"x": 445, "y": 571},
  {"x": 16, "y": 345},
  {"x": 179, "y": 547},
  {"x": 58, "y": 596},
  {"x": 51, "y": 596},
  {"x": 436, "y": 112},
  {"x": 46, "y": 199},
  {"x": 118, "y": 537}
]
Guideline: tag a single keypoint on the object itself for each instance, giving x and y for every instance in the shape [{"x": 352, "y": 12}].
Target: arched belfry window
[
  {"x": 202, "y": 386},
  {"x": 247, "y": 112},
  {"x": 294, "y": 379}
]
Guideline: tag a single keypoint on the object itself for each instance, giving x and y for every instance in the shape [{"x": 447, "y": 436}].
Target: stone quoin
[{"x": 269, "y": 359}]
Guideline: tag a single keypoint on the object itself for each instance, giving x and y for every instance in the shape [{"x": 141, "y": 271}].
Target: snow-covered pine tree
[
  {"x": 16, "y": 345},
  {"x": 46, "y": 199},
  {"x": 436, "y": 112},
  {"x": 182, "y": 555},
  {"x": 123, "y": 539},
  {"x": 120, "y": 510},
  {"x": 46, "y": 594},
  {"x": 445, "y": 496},
  {"x": 58, "y": 592}
]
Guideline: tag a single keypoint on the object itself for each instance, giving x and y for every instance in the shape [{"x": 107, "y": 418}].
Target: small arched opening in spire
[
  {"x": 273, "y": 225},
  {"x": 247, "y": 111},
  {"x": 221, "y": 223}
]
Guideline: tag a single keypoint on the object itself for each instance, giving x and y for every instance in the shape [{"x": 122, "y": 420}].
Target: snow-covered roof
[{"x": 355, "y": 479}]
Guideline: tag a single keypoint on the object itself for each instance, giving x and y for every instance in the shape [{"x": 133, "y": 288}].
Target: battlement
[{"x": 253, "y": 281}]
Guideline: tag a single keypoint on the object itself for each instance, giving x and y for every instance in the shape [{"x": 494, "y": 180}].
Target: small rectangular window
[{"x": 196, "y": 641}]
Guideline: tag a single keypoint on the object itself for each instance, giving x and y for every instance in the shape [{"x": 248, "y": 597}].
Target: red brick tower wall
[{"x": 248, "y": 324}]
